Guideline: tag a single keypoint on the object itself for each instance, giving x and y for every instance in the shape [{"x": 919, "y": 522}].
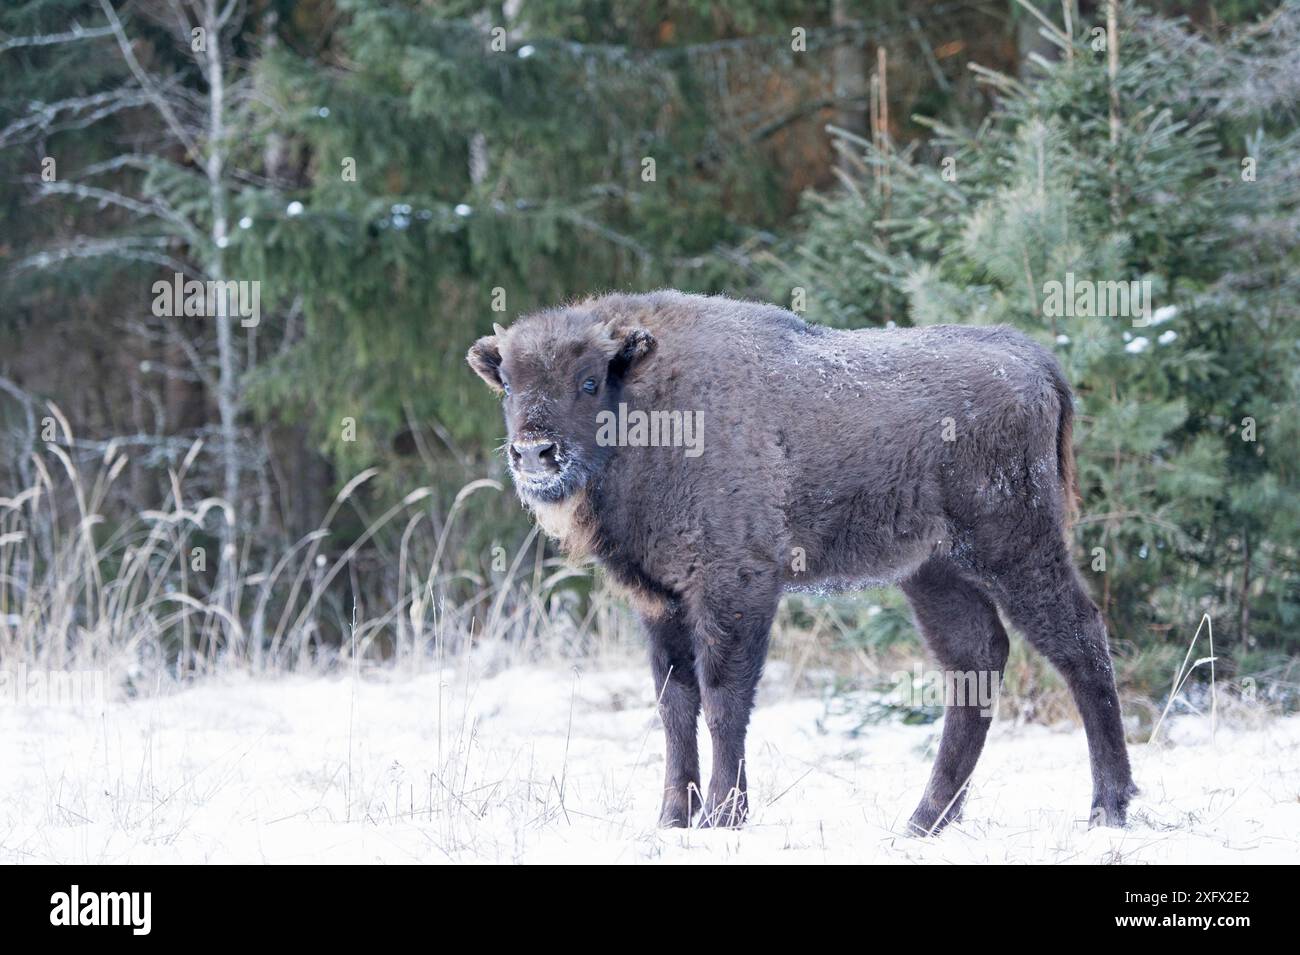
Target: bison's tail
[{"x": 1065, "y": 450}]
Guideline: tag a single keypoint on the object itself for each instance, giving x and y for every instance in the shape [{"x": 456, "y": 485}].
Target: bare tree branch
[
  {"x": 107, "y": 197},
  {"x": 77, "y": 32},
  {"x": 136, "y": 249},
  {"x": 43, "y": 118},
  {"x": 141, "y": 161},
  {"x": 147, "y": 82}
]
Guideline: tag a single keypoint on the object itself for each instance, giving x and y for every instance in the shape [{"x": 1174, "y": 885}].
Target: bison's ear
[
  {"x": 633, "y": 345},
  {"x": 485, "y": 358}
]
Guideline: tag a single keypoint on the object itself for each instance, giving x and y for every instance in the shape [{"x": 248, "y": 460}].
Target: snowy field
[{"x": 539, "y": 764}]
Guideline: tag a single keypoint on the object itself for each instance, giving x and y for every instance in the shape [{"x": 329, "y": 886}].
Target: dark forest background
[{"x": 399, "y": 175}]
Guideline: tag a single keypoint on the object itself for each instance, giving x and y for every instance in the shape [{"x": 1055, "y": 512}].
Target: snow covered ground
[{"x": 543, "y": 764}]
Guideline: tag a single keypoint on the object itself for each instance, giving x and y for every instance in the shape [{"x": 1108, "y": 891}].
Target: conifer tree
[{"x": 1155, "y": 168}]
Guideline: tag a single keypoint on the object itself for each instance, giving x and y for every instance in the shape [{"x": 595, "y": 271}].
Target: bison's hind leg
[
  {"x": 1044, "y": 598},
  {"x": 960, "y": 625}
]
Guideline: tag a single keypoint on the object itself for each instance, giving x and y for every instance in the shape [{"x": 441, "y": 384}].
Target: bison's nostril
[{"x": 534, "y": 455}]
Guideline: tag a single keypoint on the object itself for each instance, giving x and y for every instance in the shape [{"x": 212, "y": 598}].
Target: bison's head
[{"x": 557, "y": 372}]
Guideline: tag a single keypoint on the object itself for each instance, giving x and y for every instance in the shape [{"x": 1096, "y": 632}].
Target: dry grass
[{"x": 148, "y": 596}]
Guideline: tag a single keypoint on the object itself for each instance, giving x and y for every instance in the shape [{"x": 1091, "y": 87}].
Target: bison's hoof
[
  {"x": 1110, "y": 806},
  {"x": 929, "y": 820},
  {"x": 934, "y": 814},
  {"x": 680, "y": 806},
  {"x": 676, "y": 816}
]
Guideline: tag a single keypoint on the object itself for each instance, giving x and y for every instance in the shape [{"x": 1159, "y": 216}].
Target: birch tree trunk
[{"x": 227, "y": 365}]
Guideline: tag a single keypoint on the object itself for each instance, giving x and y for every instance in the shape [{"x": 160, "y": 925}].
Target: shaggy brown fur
[{"x": 934, "y": 458}]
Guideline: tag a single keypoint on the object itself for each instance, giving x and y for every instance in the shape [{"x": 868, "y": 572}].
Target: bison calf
[{"x": 935, "y": 458}]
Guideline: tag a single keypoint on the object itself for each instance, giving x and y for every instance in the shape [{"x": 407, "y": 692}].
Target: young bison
[{"x": 935, "y": 458}]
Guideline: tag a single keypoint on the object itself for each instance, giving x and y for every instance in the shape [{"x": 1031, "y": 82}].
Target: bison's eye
[
  {"x": 589, "y": 386},
  {"x": 505, "y": 386}
]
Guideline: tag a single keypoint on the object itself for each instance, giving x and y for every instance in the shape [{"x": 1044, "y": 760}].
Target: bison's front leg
[
  {"x": 672, "y": 658},
  {"x": 729, "y": 662}
]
